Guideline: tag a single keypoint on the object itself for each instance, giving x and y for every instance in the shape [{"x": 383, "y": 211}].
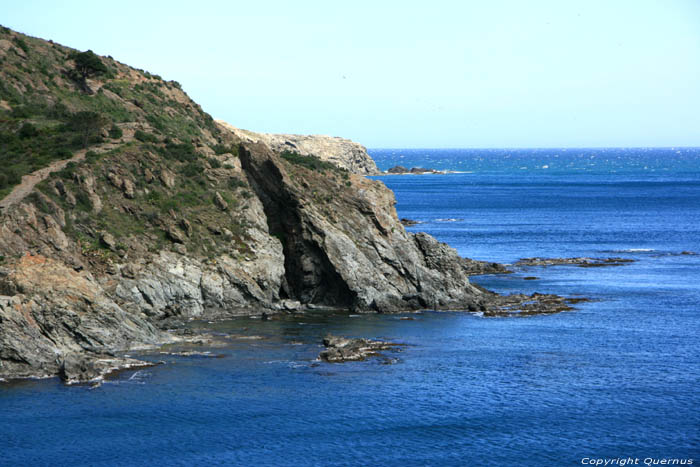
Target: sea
[{"x": 616, "y": 379}]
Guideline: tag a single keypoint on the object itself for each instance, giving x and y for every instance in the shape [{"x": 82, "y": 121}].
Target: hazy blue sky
[{"x": 411, "y": 74}]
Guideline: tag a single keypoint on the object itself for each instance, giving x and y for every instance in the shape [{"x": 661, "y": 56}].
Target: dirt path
[{"x": 29, "y": 181}]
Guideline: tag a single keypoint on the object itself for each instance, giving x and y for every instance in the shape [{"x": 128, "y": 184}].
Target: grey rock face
[
  {"x": 54, "y": 312},
  {"x": 362, "y": 259}
]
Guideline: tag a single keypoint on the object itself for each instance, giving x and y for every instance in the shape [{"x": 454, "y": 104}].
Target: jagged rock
[
  {"x": 363, "y": 259},
  {"x": 58, "y": 311},
  {"x": 87, "y": 182},
  {"x": 128, "y": 188},
  {"x": 76, "y": 368},
  {"x": 186, "y": 226},
  {"x": 344, "y": 349},
  {"x": 148, "y": 175},
  {"x": 398, "y": 169},
  {"x": 477, "y": 268},
  {"x": 167, "y": 178},
  {"x": 220, "y": 201},
  {"x": 408, "y": 222},
  {"x": 342, "y": 152},
  {"x": 108, "y": 240},
  {"x": 122, "y": 183},
  {"x": 115, "y": 180},
  {"x": 88, "y": 368},
  {"x": 175, "y": 235}
]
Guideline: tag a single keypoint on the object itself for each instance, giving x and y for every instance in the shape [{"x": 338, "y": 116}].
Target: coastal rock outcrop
[
  {"x": 401, "y": 170},
  {"x": 345, "y": 246},
  {"x": 341, "y": 349},
  {"x": 178, "y": 217},
  {"x": 341, "y": 152},
  {"x": 49, "y": 312}
]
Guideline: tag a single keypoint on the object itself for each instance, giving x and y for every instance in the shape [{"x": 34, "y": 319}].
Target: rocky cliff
[
  {"x": 163, "y": 216},
  {"x": 341, "y": 152}
]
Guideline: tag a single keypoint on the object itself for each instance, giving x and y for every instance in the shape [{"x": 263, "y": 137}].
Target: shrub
[
  {"x": 183, "y": 152},
  {"x": 192, "y": 169},
  {"x": 28, "y": 131},
  {"x": 63, "y": 153},
  {"x": 310, "y": 162},
  {"x": 9, "y": 177},
  {"x": 214, "y": 162},
  {"x": 223, "y": 149},
  {"x": 88, "y": 64},
  {"x": 20, "y": 111},
  {"x": 91, "y": 156},
  {"x": 235, "y": 182},
  {"x": 115, "y": 132},
  {"x": 88, "y": 124},
  {"x": 145, "y": 137},
  {"x": 19, "y": 42},
  {"x": 83, "y": 201}
]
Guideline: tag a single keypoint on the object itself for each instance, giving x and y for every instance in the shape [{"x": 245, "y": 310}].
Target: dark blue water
[{"x": 618, "y": 377}]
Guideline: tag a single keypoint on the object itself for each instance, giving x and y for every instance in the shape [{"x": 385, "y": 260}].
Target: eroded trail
[{"x": 29, "y": 181}]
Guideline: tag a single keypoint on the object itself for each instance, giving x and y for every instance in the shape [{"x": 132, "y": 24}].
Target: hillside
[{"x": 163, "y": 216}]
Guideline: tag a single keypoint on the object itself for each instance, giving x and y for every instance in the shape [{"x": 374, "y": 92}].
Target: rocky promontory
[
  {"x": 341, "y": 152},
  {"x": 162, "y": 216}
]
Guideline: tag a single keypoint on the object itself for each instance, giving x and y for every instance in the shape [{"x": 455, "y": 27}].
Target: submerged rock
[
  {"x": 583, "y": 262},
  {"x": 528, "y": 305}
]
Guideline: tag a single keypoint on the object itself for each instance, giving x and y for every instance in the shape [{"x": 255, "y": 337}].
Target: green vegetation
[
  {"x": 224, "y": 149},
  {"x": 115, "y": 132},
  {"x": 145, "y": 137},
  {"x": 21, "y": 43},
  {"x": 47, "y": 113},
  {"x": 310, "y": 162},
  {"x": 87, "y": 65},
  {"x": 88, "y": 125}
]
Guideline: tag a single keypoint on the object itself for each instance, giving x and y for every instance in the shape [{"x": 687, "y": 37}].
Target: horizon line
[{"x": 530, "y": 147}]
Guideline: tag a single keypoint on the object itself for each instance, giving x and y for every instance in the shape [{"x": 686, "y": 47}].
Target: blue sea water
[{"x": 617, "y": 377}]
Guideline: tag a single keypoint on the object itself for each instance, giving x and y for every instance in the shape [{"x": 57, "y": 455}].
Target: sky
[{"x": 399, "y": 74}]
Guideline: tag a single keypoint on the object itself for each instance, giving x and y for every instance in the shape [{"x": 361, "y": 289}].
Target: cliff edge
[{"x": 341, "y": 152}]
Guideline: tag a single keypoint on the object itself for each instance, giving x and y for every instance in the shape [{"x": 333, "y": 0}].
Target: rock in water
[{"x": 346, "y": 349}]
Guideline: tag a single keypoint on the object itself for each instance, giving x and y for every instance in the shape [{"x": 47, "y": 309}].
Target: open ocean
[{"x": 618, "y": 377}]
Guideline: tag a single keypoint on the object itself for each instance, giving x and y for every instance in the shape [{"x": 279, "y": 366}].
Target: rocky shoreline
[{"x": 169, "y": 220}]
